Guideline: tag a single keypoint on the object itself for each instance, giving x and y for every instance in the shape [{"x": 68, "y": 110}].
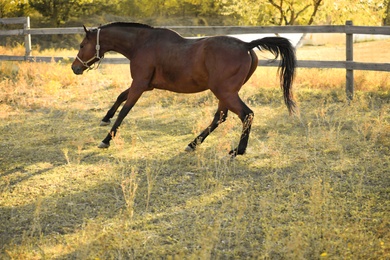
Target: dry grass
[{"x": 309, "y": 187}]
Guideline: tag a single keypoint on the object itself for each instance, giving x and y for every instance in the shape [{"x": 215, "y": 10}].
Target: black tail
[{"x": 281, "y": 46}]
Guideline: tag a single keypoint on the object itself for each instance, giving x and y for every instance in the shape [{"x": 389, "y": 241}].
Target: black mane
[{"x": 125, "y": 24}]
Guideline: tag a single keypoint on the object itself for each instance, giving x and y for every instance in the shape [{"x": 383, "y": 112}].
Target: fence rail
[{"x": 348, "y": 29}]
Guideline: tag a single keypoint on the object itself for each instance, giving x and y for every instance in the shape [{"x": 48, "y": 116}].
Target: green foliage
[
  {"x": 305, "y": 12},
  {"x": 386, "y": 15},
  {"x": 360, "y": 12},
  {"x": 56, "y": 11},
  {"x": 59, "y": 11},
  {"x": 204, "y": 12},
  {"x": 13, "y": 8},
  {"x": 279, "y": 12}
]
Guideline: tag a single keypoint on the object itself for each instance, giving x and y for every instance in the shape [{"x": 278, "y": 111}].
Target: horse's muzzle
[{"x": 77, "y": 70}]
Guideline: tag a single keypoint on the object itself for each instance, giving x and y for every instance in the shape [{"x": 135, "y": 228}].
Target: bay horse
[{"x": 162, "y": 59}]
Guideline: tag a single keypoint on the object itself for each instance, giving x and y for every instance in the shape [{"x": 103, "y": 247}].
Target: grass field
[{"x": 313, "y": 186}]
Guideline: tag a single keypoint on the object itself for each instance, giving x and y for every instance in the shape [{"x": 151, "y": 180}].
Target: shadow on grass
[{"x": 58, "y": 214}]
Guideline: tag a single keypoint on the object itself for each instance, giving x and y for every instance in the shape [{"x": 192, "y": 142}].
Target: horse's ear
[{"x": 86, "y": 31}]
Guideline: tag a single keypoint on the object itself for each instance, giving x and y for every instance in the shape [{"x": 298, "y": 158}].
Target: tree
[
  {"x": 58, "y": 12},
  {"x": 361, "y": 12},
  {"x": 243, "y": 12},
  {"x": 277, "y": 12},
  {"x": 386, "y": 16},
  {"x": 292, "y": 12},
  {"x": 13, "y": 8},
  {"x": 128, "y": 8},
  {"x": 306, "y": 12}
]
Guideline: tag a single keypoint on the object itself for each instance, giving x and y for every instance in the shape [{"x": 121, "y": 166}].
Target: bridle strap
[{"x": 97, "y": 54}]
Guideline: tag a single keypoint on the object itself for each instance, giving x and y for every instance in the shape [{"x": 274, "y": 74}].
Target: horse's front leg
[
  {"x": 120, "y": 99},
  {"x": 133, "y": 94}
]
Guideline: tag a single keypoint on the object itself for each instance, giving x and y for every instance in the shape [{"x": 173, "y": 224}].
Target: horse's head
[{"x": 89, "y": 52}]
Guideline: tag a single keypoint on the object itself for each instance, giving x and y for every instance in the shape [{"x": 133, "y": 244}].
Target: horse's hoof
[
  {"x": 103, "y": 145},
  {"x": 103, "y": 123},
  {"x": 233, "y": 153},
  {"x": 189, "y": 149}
]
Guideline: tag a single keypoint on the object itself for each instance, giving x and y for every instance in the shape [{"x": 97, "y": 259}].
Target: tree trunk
[
  {"x": 317, "y": 4},
  {"x": 386, "y": 20}
]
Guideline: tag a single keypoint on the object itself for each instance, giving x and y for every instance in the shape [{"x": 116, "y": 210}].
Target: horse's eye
[{"x": 81, "y": 46}]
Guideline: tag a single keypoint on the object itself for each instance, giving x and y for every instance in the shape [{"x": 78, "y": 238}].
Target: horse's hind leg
[
  {"x": 247, "y": 123},
  {"x": 219, "y": 117},
  {"x": 237, "y": 106},
  {"x": 120, "y": 99}
]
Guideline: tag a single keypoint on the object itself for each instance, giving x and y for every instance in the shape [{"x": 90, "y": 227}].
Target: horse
[{"x": 162, "y": 59}]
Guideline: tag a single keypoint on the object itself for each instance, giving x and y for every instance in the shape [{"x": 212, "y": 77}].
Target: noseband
[{"x": 97, "y": 55}]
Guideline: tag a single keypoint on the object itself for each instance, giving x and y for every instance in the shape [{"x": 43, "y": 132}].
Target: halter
[{"x": 97, "y": 55}]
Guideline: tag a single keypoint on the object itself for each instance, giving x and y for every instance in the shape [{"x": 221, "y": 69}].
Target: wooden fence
[{"x": 348, "y": 29}]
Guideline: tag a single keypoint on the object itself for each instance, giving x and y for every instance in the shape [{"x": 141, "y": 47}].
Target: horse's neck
[{"x": 124, "y": 41}]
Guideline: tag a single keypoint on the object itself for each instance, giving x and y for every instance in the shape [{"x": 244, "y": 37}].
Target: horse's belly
[
  {"x": 179, "y": 84},
  {"x": 181, "y": 88}
]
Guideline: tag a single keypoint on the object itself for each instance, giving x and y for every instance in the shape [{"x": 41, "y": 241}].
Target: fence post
[
  {"x": 349, "y": 59},
  {"x": 27, "y": 38}
]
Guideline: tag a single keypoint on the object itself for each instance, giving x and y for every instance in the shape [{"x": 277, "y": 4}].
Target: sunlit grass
[{"x": 311, "y": 186}]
